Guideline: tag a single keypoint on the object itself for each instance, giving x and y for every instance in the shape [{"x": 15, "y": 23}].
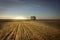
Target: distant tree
[{"x": 33, "y": 17}]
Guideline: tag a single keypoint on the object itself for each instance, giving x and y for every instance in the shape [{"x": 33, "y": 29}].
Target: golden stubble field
[{"x": 28, "y": 30}]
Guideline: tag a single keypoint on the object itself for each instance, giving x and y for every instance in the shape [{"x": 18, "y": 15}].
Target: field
[{"x": 29, "y": 30}]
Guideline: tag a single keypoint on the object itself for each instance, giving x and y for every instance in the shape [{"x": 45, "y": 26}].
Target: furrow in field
[
  {"x": 6, "y": 33},
  {"x": 18, "y": 33},
  {"x": 22, "y": 32},
  {"x": 27, "y": 33},
  {"x": 12, "y": 34},
  {"x": 36, "y": 34},
  {"x": 7, "y": 29}
]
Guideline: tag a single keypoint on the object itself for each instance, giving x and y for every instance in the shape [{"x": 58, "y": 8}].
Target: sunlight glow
[{"x": 20, "y": 17}]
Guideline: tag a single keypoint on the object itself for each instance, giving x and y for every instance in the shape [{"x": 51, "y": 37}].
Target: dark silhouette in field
[{"x": 33, "y": 17}]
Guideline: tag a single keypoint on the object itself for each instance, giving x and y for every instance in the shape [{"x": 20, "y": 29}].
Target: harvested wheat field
[{"x": 29, "y": 30}]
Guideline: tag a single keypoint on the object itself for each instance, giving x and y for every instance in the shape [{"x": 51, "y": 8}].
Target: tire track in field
[
  {"x": 12, "y": 34},
  {"x": 9, "y": 34},
  {"x": 27, "y": 33},
  {"x": 6, "y": 31},
  {"x": 22, "y": 31},
  {"x": 39, "y": 34},
  {"x": 36, "y": 34},
  {"x": 19, "y": 32}
]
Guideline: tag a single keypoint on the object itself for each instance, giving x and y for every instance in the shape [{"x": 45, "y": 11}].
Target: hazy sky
[{"x": 43, "y": 9}]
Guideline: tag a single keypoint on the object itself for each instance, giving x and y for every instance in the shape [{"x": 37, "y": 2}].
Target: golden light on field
[{"x": 20, "y": 17}]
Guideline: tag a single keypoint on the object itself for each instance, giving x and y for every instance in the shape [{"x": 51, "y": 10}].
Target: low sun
[{"x": 20, "y": 17}]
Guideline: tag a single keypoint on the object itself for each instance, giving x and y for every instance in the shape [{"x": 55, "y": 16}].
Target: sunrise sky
[{"x": 42, "y": 9}]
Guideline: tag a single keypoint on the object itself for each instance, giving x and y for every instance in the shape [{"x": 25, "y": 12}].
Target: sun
[{"x": 20, "y": 17}]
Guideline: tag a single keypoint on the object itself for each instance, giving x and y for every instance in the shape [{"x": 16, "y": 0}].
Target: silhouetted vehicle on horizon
[{"x": 33, "y": 17}]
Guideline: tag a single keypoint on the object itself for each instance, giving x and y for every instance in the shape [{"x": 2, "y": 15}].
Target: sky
[{"x": 42, "y": 9}]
